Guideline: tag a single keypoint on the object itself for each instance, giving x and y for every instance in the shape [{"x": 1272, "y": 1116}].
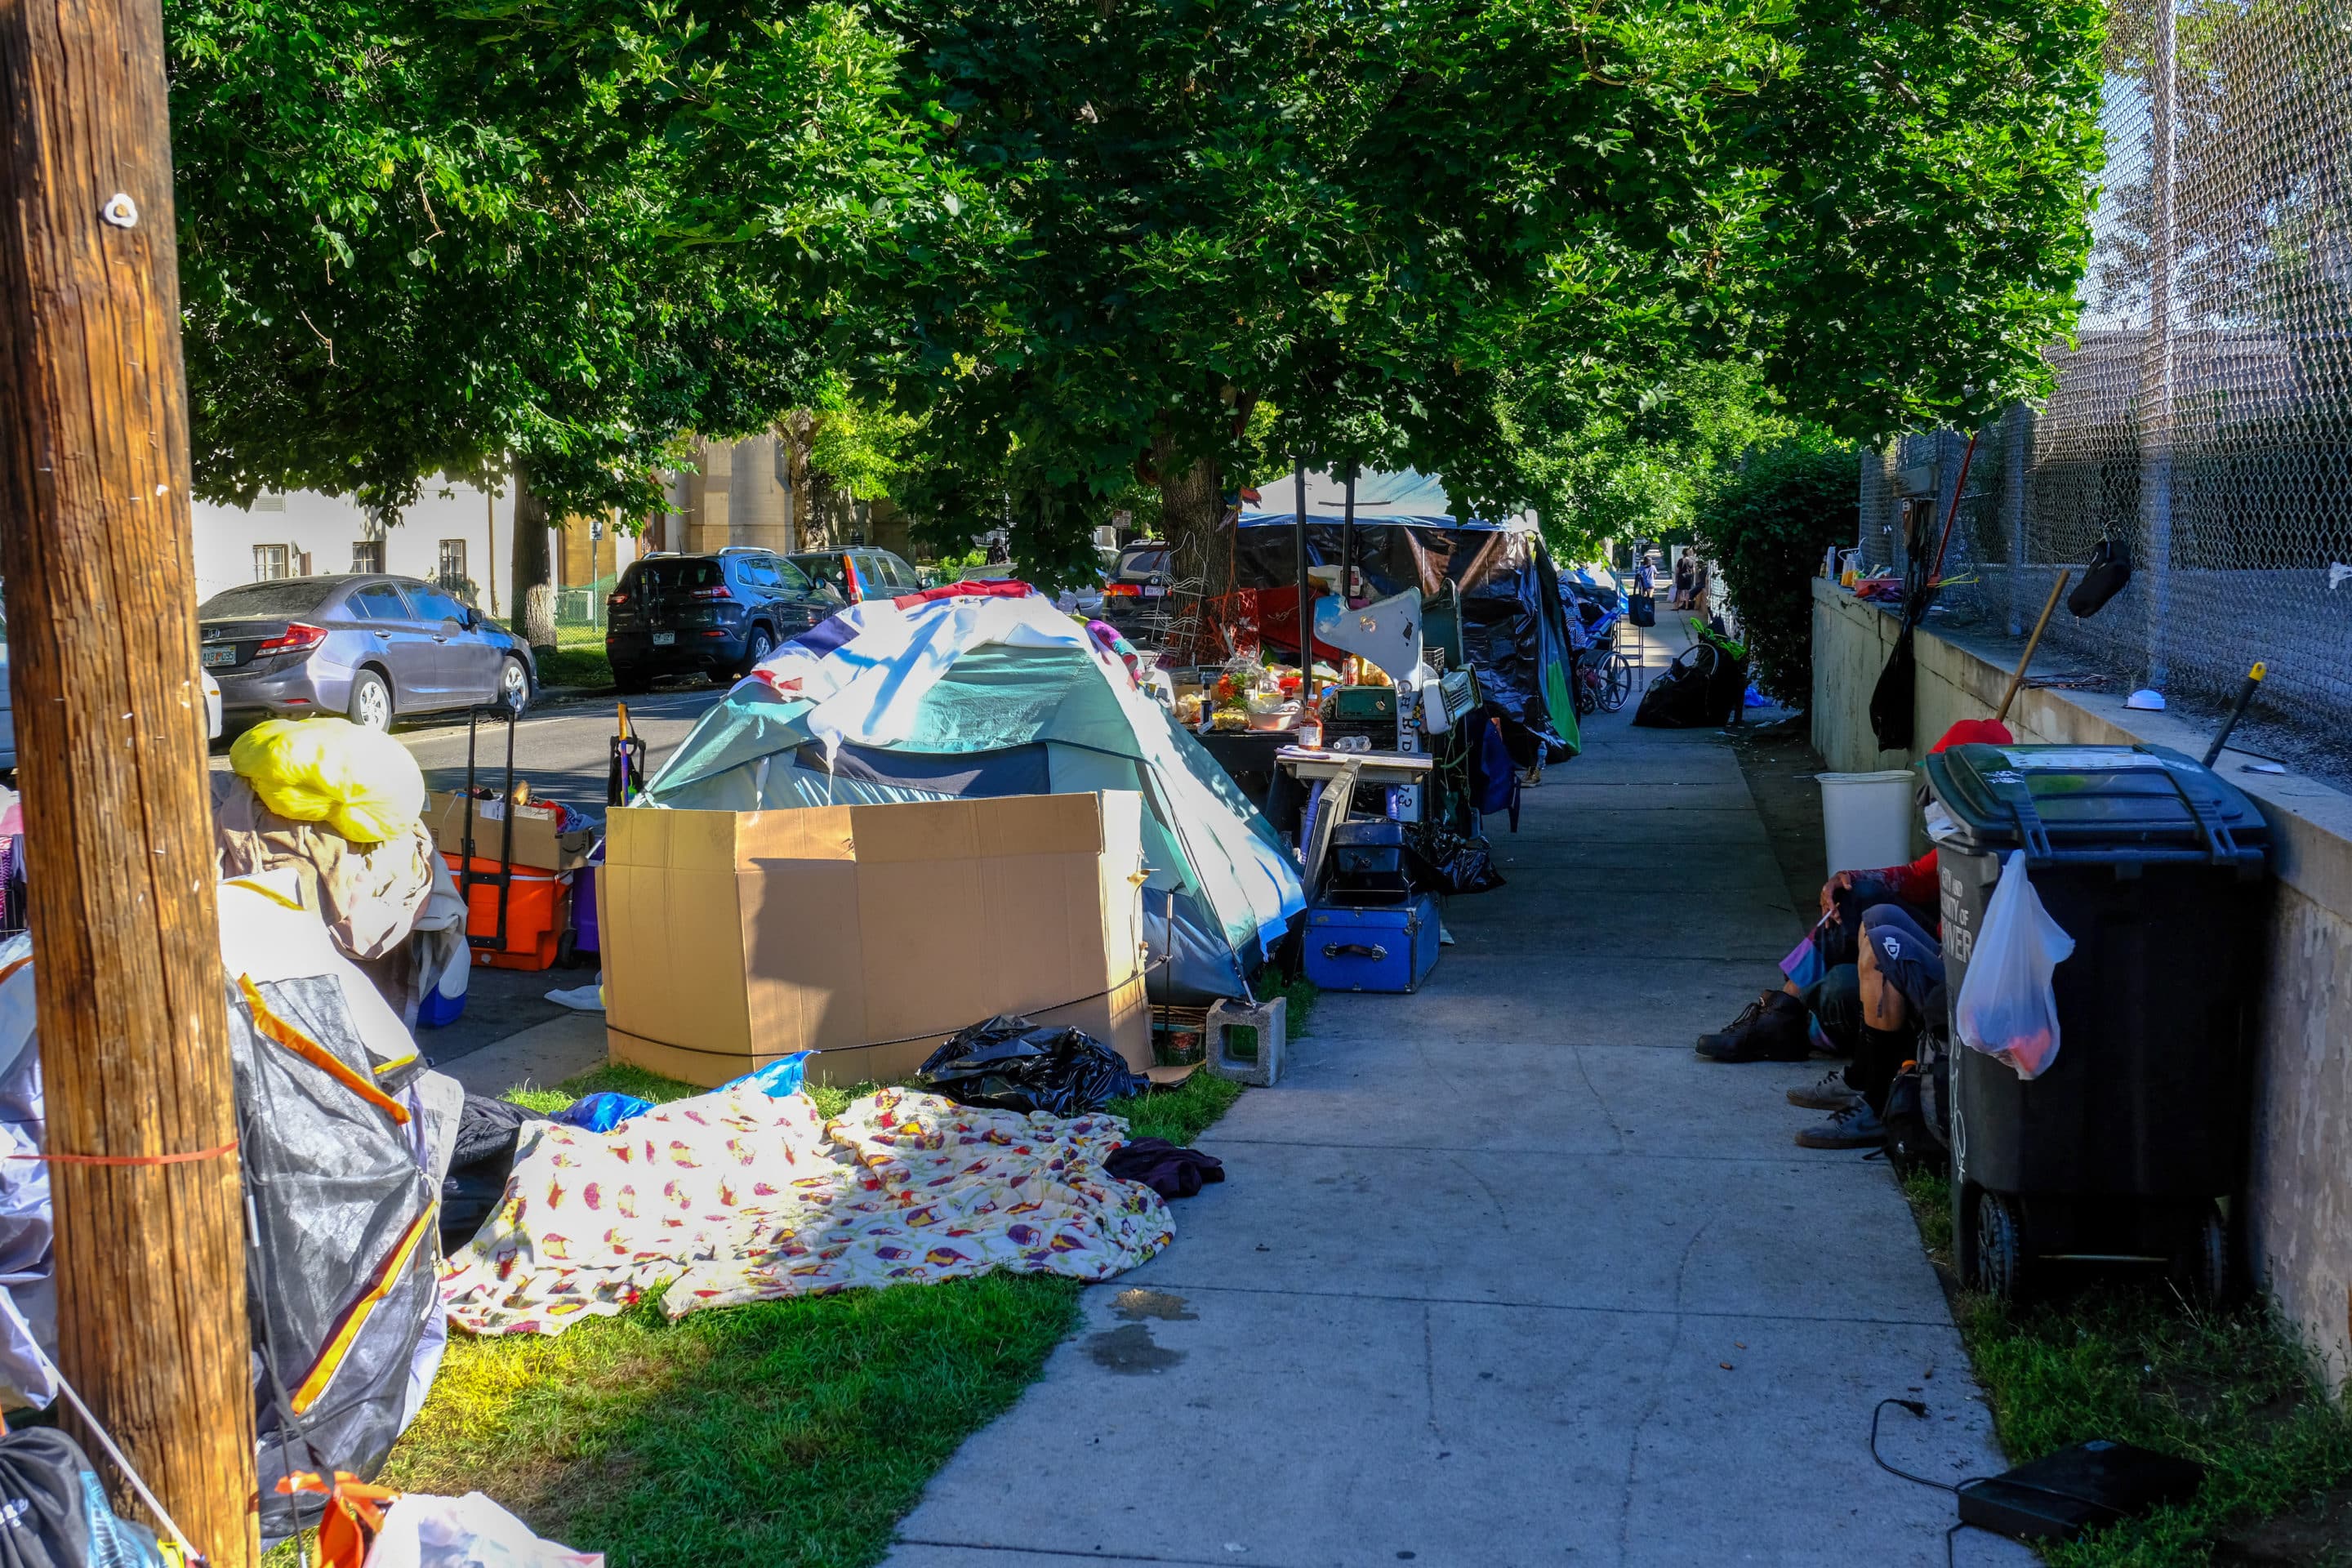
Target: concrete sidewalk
[{"x": 1503, "y": 1273}]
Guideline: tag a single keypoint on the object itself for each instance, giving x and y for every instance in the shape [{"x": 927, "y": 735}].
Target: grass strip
[
  {"x": 788, "y": 1433},
  {"x": 2135, "y": 1363},
  {"x": 577, "y": 659}
]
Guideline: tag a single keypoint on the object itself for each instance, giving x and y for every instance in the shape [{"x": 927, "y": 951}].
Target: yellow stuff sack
[{"x": 360, "y": 782}]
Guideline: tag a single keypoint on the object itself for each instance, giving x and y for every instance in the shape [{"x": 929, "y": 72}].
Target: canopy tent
[
  {"x": 1514, "y": 625},
  {"x": 960, "y": 693}
]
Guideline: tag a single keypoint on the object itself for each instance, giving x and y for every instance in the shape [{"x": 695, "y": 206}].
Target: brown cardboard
[
  {"x": 537, "y": 843},
  {"x": 867, "y": 933}
]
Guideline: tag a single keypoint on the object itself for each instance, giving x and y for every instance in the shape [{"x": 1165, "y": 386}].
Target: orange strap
[
  {"x": 354, "y": 1515},
  {"x": 317, "y": 1054},
  {"x": 8, "y": 973}
]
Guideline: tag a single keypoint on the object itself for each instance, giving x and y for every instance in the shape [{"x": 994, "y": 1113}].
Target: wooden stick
[
  {"x": 2031, "y": 643},
  {"x": 102, "y": 598}
]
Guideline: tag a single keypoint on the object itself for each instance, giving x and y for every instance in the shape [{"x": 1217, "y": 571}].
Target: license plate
[
  {"x": 664, "y": 639},
  {"x": 215, "y": 657},
  {"x": 1151, "y": 591}
]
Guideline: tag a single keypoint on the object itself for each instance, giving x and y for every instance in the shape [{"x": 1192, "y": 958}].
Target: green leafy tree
[
  {"x": 1766, "y": 527},
  {"x": 1384, "y": 222},
  {"x": 1640, "y": 473},
  {"x": 541, "y": 240}
]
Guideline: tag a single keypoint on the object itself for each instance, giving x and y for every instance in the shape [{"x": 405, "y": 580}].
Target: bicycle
[{"x": 1604, "y": 676}]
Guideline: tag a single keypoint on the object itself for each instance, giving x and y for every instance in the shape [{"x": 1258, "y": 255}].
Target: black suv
[{"x": 716, "y": 614}]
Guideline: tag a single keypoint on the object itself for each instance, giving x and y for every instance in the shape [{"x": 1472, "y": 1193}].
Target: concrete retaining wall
[{"x": 2298, "y": 1205}]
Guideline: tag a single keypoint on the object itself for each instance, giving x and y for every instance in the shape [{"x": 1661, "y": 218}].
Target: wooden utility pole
[{"x": 94, "y": 542}]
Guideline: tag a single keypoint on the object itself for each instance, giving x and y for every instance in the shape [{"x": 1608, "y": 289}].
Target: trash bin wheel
[
  {"x": 2001, "y": 1269},
  {"x": 2203, "y": 1264},
  {"x": 566, "y": 950}
]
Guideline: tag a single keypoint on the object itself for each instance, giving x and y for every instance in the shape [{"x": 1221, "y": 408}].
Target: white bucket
[{"x": 1866, "y": 818}]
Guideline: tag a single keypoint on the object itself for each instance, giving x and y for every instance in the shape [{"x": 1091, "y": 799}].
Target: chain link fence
[{"x": 2203, "y": 418}]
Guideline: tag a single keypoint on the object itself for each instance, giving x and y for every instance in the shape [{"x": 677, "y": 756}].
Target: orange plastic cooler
[{"x": 539, "y": 905}]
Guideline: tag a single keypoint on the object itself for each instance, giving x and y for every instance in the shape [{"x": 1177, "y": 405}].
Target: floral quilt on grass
[{"x": 733, "y": 1196}]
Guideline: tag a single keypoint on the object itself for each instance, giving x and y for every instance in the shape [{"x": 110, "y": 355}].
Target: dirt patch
[{"x": 2318, "y": 1536}]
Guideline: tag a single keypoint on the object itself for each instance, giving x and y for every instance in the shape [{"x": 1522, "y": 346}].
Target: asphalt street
[{"x": 564, "y": 748}]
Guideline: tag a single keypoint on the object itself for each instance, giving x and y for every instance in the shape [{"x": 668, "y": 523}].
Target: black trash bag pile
[
  {"x": 1703, "y": 688},
  {"x": 1450, "y": 861},
  {"x": 487, "y": 1132},
  {"x": 1012, "y": 1064}
]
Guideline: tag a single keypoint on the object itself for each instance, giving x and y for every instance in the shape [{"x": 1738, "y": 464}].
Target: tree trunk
[
  {"x": 534, "y": 561},
  {"x": 95, "y": 544}
]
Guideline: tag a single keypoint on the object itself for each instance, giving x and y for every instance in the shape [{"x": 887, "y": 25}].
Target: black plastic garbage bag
[
  {"x": 477, "y": 1183},
  {"x": 57, "y": 1515},
  {"x": 1012, "y": 1064},
  {"x": 1451, "y": 862}
]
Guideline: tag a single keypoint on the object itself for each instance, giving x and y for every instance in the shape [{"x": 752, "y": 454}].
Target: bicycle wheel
[{"x": 1617, "y": 683}]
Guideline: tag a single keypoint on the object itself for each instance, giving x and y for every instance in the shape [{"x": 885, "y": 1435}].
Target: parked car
[
  {"x": 1135, "y": 596},
  {"x": 9, "y": 710},
  {"x": 1086, "y": 597},
  {"x": 369, "y": 646},
  {"x": 860, "y": 571},
  {"x": 708, "y": 615}
]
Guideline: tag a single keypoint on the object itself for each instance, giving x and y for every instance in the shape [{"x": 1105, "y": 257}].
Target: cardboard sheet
[
  {"x": 868, "y": 932},
  {"x": 537, "y": 843}
]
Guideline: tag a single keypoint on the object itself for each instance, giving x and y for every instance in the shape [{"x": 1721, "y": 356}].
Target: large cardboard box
[
  {"x": 868, "y": 932},
  {"x": 537, "y": 842}
]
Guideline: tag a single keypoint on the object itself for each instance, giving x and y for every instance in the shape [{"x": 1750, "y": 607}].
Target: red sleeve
[{"x": 1914, "y": 884}]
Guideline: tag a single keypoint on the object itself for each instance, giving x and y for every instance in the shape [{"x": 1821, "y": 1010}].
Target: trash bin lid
[{"x": 2107, "y": 804}]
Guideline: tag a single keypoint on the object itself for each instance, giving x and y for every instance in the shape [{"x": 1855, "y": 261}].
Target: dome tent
[{"x": 970, "y": 691}]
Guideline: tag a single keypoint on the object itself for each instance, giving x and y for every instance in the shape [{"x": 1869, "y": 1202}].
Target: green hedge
[{"x": 1766, "y": 527}]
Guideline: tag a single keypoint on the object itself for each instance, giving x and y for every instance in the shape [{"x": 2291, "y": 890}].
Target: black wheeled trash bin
[{"x": 2129, "y": 1145}]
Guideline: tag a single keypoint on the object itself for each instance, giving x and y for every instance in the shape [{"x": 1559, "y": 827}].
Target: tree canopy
[
  {"x": 1030, "y": 256},
  {"x": 1446, "y": 236},
  {"x": 437, "y": 234}
]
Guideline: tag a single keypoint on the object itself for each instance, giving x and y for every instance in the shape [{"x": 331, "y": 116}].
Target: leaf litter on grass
[{"x": 789, "y": 1433}]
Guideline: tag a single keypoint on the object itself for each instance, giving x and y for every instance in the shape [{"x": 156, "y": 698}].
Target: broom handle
[{"x": 2031, "y": 643}]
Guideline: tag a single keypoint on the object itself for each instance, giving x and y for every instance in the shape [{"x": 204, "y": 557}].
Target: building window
[
  {"x": 367, "y": 554},
  {"x": 452, "y": 571},
  {"x": 268, "y": 563},
  {"x": 268, "y": 502}
]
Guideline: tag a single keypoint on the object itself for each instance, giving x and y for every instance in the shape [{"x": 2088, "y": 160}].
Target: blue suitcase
[{"x": 1376, "y": 947}]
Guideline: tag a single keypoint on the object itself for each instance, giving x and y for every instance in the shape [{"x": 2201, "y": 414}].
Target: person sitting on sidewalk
[{"x": 1860, "y": 986}]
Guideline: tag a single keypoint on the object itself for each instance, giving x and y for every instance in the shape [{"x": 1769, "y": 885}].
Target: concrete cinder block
[{"x": 1270, "y": 1019}]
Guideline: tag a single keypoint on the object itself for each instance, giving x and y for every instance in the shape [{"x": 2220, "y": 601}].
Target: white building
[
  {"x": 455, "y": 535},
  {"x": 755, "y": 491}
]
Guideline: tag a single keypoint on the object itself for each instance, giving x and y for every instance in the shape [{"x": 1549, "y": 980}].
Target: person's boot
[
  {"x": 1827, "y": 1092},
  {"x": 1771, "y": 1030},
  {"x": 1855, "y": 1127}
]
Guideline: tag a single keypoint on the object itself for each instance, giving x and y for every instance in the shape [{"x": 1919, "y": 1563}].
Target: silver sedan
[
  {"x": 368, "y": 647},
  {"x": 8, "y": 708}
]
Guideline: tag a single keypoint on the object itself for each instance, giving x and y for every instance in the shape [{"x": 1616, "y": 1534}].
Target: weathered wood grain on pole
[{"x": 94, "y": 542}]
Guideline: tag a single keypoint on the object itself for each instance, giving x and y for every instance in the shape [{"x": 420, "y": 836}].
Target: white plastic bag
[
  {"x": 471, "y": 1531},
  {"x": 2006, "y": 1007}
]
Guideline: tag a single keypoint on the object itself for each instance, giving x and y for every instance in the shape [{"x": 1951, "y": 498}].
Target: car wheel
[
  {"x": 514, "y": 684},
  {"x": 370, "y": 706},
  {"x": 761, "y": 644}
]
